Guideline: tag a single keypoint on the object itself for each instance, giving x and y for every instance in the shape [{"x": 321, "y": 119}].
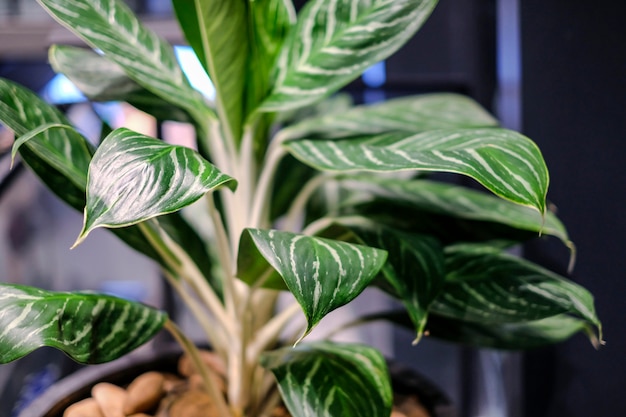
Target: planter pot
[{"x": 77, "y": 386}]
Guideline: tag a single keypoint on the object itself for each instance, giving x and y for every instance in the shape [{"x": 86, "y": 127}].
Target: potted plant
[{"x": 304, "y": 196}]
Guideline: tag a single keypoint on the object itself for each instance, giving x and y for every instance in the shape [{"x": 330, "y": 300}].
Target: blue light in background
[
  {"x": 194, "y": 71},
  {"x": 376, "y": 75},
  {"x": 60, "y": 90}
]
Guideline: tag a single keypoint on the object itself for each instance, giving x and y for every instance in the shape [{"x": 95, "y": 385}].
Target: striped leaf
[
  {"x": 454, "y": 201},
  {"x": 505, "y": 162},
  {"x": 217, "y": 31},
  {"x": 111, "y": 27},
  {"x": 322, "y": 274},
  {"x": 100, "y": 79},
  {"x": 60, "y": 157},
  {"x": 486, "y": 286},
  {"x": 335, "y": 41},
  {"x": 133, "y": 178},
  {"x": 509, "y": 336},
  {"x": 413, "y": 114},
  {"x": 269, "y": 22},
  {"x": 90, "y": 328},
  {"x": 325, "y": 379},
  {"x": 414, "y": 269}
]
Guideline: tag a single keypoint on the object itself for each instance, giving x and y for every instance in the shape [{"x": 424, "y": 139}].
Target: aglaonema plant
[{"x": 304, "y": 195}]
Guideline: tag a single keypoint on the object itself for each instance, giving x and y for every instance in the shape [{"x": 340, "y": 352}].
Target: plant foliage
[{"x": 305, "y": 196}]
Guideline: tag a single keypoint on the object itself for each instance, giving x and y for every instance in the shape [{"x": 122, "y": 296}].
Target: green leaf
[
  {"x": 325, "y": 379},
  {"x": 133, "y": 178},
  {"x": 90, "y": 328},
  {"x": 454, "y": 201},
  {"x": 60, "y": 157},
  {"x": 322, "y": 274},
  {"x": 414, "y": 268},
  {"x": 100, "y": 79},
  {"x": 335, "y": 41},
  {"x": 486, "y": 286},
  {"x": 509, "y": 336},
  {"x": 507, "y": 163},
  {"x": 413, "y": 114},
  {"x": 217, "y": 31},
  {"x": 269, "y": 22},
  {"x": 111, "y": 27}
]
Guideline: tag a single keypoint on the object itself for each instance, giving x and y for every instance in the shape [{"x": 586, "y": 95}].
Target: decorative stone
[
  {"x": 186, "y": 367},
  {"x": 193, "y": 404},
  {"x": 85, "y": 408},
  {"x": 144, "y": 393},
  {"x": 110, "y": 398}
]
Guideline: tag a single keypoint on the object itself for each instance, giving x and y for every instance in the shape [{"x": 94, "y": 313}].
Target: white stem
[
  {"x": 296, "y": 210},
  {"x": 270, "y": 333},
  {"x": 263, "y": 189},
  {"x": 215, "y": 335},
  {"x": 209, "y": 382}
]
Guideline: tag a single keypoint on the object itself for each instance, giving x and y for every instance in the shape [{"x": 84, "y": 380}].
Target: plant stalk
[{"x": 190, "y": 348}]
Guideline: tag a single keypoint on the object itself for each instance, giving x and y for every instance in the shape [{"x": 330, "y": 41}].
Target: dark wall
[{"x": 574, "y": 107}]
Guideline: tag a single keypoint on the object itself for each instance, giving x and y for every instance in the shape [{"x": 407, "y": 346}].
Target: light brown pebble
[
  {"x": 111, "y": 399},
  {"x": 196, "y": 382},
  {"x": 144, "y": 393},
  {"x": 173, "y": 383},
  {"x": 193, "y": 404},
  {"x": 85, "y": 408},
  {"x": 214, "y": 362},
  {"x": 411, "y": 407}
]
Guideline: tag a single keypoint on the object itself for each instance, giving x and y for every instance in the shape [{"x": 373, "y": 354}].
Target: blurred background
[{"x": 556, "y": 70}]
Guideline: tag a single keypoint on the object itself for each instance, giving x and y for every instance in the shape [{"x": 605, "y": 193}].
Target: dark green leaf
[
  {"x": 510, "y": 336},
  {"x": 413, "y": 114},
  {"x": 217, "y": 31},
  {"x": 414, "y": 268},
  {"x": 448, "y": 200},
  {"x": 111, "y": 27},
  {"x": 335, "y": 41},
  {"x": 325, "y": 379},
  {"x": 506, "y": 163},
  {"x": 133, "y": 177},
  {"x": 90, "y": 328},
  {"x": 486, "y": 286},
  {"x": 322, "y": 274},
  {"x": 100, "y": 79}
]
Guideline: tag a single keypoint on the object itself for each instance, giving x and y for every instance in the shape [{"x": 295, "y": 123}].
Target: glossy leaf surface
[
  {"x": 505, "y": 162},
  {"x": 506, "y": 336},
  {"x": 269, "y": 22},
  {"x": 100, "y": 79},
  {"x": 413, "y": 114},
  {"x": 335, "y": 41},
  {"x": 133, "y": 177},
  {"x": 217, "y": 31},
  {"x": 322, "y": 274},
  {"x": 450, "y": 200},
  {"x": 90, "y": 328},
  {"x": 111, "y": 27},
  {"x": 509, "y": 336},
  {"x": 486, "y": 286},
  {"x": 414, "y": 268},
  {"x": 60, "y": 157},
  {"x": 324, "y": 379}
]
